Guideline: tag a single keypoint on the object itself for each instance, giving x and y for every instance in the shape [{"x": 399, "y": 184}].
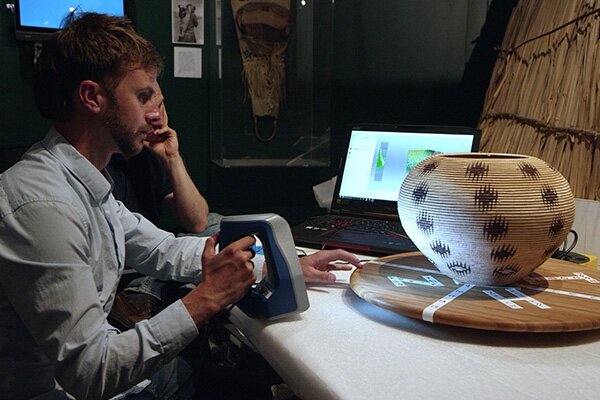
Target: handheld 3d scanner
[{"x": 282, "y": 290}]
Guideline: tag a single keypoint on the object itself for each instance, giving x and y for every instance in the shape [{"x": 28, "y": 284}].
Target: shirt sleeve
[
  {"x": 47, "y": 278},
  {"x": 158, "y": 253}
]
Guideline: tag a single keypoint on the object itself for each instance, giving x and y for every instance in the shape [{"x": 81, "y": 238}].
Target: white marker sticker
[
  {"x": 585, "y": 277},
  {"x": 431, "y": 309},
  {"x": 575, "y": 277},
  {"x": 502, "y": 299},
  {"x": 563, "y": 292},
  {"x": 428, "y": 281},
  {"x": 396, "y": 281},
  {"x": 522, "y": 296}
]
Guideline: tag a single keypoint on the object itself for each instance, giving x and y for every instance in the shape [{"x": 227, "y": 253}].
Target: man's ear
[{"x": 92, "y": 96}]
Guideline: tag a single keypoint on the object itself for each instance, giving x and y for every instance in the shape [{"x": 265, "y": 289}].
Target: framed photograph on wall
[{"x": 187, "y": 20}]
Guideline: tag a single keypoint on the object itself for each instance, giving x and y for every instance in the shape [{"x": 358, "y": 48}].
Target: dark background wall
[{"x": 392, "y": 61}]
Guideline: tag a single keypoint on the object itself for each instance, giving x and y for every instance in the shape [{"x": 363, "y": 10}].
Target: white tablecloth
[{"x": 343, "y": 347}]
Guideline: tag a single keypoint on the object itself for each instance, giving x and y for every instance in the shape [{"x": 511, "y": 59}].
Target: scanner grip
[{"x": 282, "y": 290}]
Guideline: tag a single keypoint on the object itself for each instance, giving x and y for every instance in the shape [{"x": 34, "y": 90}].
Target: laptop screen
[{"x": 379, "y": 157}]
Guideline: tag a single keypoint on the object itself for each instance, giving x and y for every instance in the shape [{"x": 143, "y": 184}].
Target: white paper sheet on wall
[{"x": 187, "y": 62}]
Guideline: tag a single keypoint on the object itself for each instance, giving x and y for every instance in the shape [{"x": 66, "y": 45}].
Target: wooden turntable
[{"x": 558, "y": 296}]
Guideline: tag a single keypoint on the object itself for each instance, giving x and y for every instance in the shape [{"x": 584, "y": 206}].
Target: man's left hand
[
  {"x": 162, "y": 141},
  {"x": 317, "y": 267}
]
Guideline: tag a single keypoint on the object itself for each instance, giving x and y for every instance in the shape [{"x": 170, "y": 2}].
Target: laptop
[{"x": 364, "y": 214}]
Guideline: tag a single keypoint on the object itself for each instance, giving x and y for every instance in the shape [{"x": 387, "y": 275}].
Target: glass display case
[{"x": 255, "y": 50}]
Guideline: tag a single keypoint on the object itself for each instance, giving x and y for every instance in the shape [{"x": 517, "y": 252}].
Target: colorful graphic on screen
[
  {"x": 379, "y": 163},
  {"x": 416, "y": 156}
]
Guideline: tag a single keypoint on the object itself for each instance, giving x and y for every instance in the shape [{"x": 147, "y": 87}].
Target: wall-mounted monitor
[{"x": 36, "y": 19}]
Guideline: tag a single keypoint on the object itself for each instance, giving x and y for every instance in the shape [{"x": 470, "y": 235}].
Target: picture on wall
[
  {"x": 187, "y": 62},
  {"x": 187, "y": 21}
]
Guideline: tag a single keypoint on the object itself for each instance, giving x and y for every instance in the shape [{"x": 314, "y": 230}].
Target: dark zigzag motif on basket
[
  {"x": 503, "y": 253},
  {"x": 495, "y": 228},
  {"x": 486, "y": 198},
  {"x": 440, "y": 248},
  {"x": 506, "y": 271},
  {"x": 529, "y": 171},
  {"x": 549, "y": 196},
  {"x": 429, "y": 167},
  {"x": 477, "y": 171},
  {"x": 557, "y": 226},
  {"x": 459, "y": 268},
  {"x": 419, "y": 193},
  {"x": 425, "y": 222}
]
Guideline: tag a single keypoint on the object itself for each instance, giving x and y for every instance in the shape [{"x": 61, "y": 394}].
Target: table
[{"x": 343, "y": 347}]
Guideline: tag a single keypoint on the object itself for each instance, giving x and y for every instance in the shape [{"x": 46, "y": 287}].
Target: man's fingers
[
  {"x": 210, "y": 246},
  {"x": 341, "y": 255},
  {"x": 320, "y": 276}
]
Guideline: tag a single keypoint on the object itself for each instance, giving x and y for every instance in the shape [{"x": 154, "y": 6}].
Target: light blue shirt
[{"x": 64, "y": 240}]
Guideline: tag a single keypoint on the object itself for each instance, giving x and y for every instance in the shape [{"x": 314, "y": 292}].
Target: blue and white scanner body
[{"x": 282, "y": 290}]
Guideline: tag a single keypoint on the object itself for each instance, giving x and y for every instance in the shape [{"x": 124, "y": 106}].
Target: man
[
  {"x": 156, "y": 174},
  {"x": 64, "y": 240}
]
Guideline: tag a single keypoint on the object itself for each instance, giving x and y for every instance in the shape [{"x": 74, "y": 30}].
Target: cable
[
  {"x": 564, "y": 253},
  {"x": 575, "y": 238}
]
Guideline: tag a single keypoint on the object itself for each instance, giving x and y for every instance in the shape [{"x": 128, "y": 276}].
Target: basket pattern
[{"x": 486, "y": 218}]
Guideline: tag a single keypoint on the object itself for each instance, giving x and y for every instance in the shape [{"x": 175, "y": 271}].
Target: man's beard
[{"x": 125, "y": 138}]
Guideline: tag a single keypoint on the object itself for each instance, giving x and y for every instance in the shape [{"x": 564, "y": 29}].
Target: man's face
[{"x": 136, "y": 96}]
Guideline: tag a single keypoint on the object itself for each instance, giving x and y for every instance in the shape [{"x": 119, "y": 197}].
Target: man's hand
[
  {"x": 162, "y": 140},
  {"x": 317, "y": 266},
  {"x": 226, "y": 278}
]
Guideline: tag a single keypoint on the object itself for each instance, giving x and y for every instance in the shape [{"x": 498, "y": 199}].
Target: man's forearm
[{"x": 186, "y": 202}]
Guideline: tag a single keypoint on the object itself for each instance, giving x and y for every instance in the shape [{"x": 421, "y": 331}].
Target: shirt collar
[{"x": 80, "y": 167}]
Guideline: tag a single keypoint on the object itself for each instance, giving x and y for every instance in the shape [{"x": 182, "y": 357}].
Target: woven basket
[{"x": 486, "y": 218}]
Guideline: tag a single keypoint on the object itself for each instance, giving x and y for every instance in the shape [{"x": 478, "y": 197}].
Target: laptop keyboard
[
  {"x": 333, "y": 223},
  {"x": 362, "y": 235}
]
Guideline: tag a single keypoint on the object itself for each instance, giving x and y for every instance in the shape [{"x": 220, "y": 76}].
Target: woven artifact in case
[{"x": 486, "y": 218}]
